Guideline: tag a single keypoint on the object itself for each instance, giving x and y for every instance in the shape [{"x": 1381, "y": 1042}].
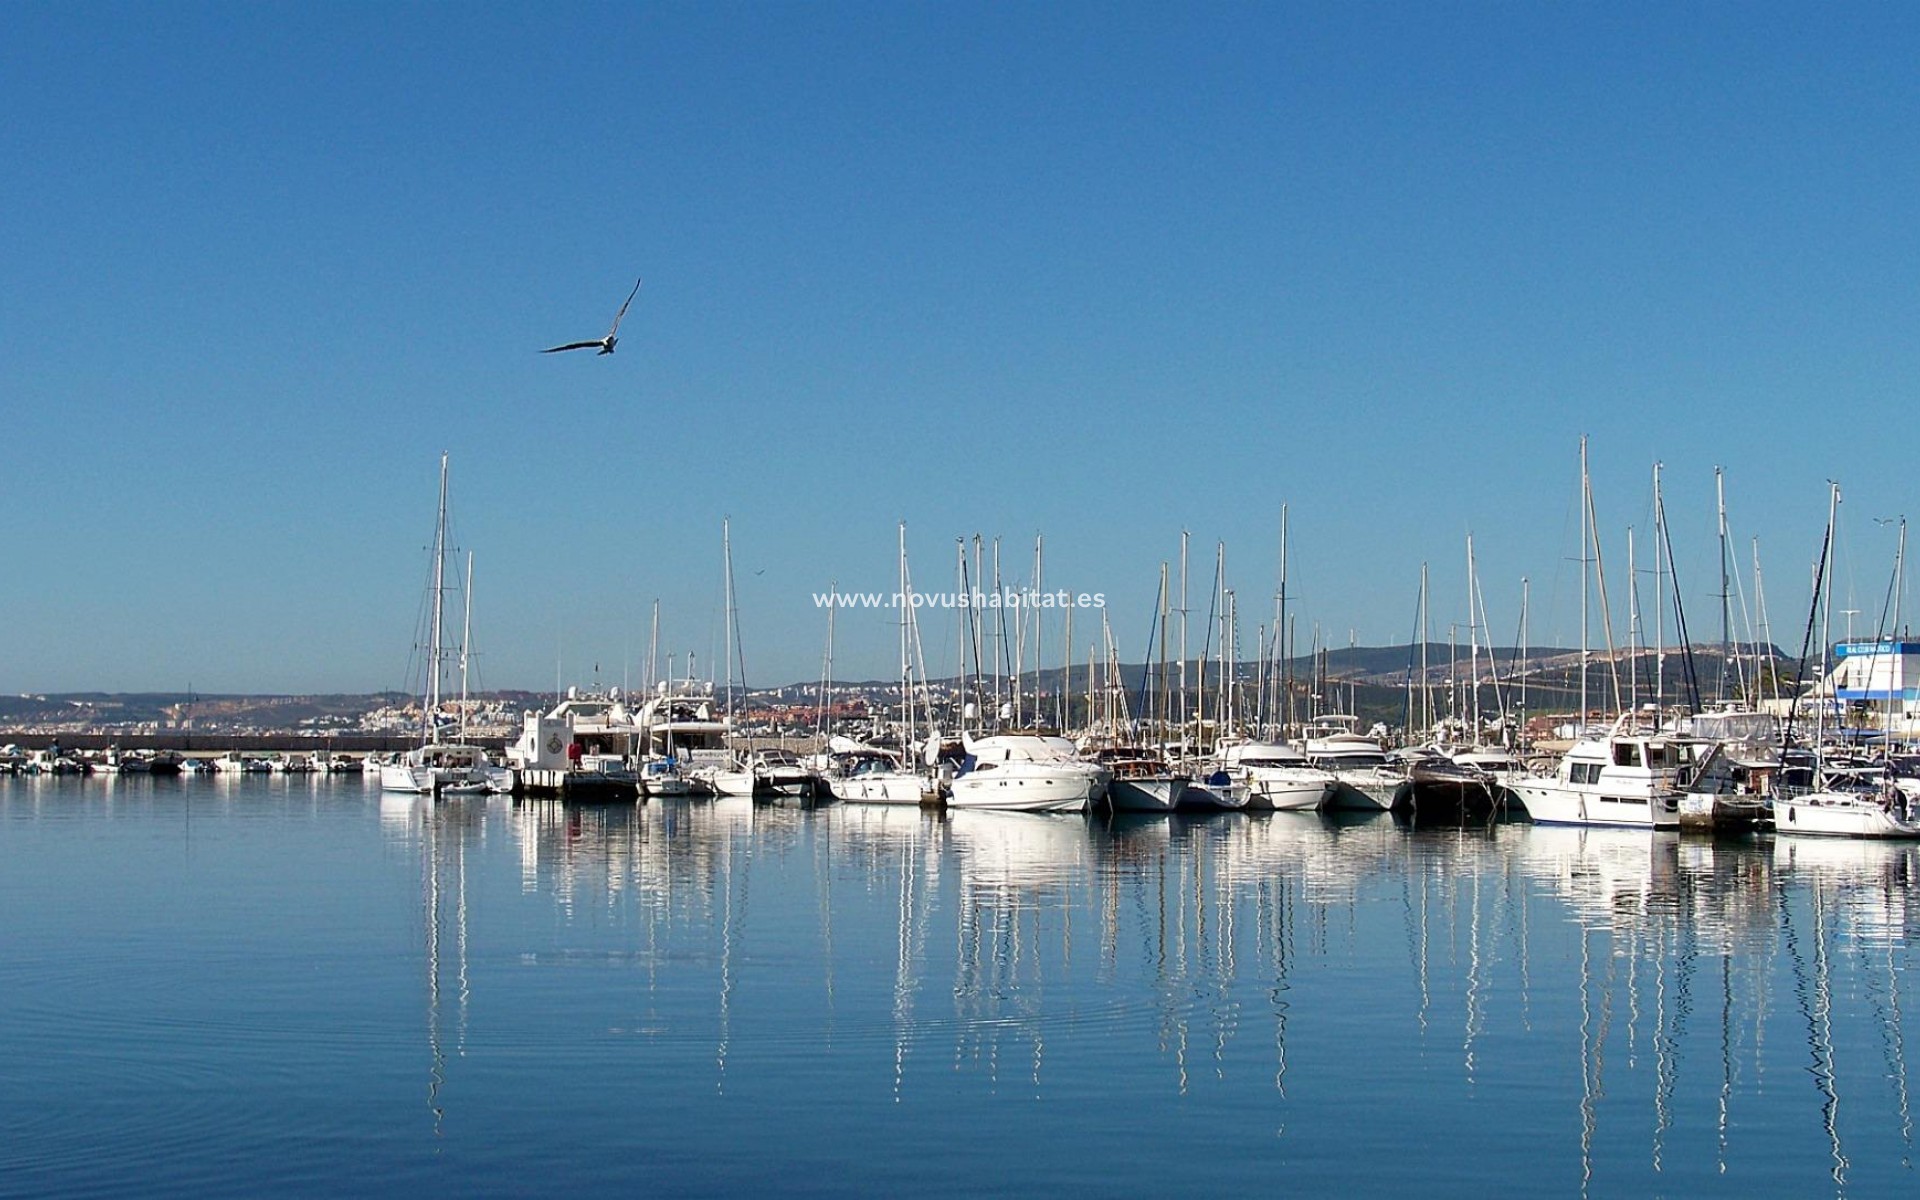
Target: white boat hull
[
  {"x": 1146, "y": 793},
  {"x": 1280, "y": 794},
  {"x": 1009, "y": 791},
  {"x": 1838, "y": 814},
  {"x": 1551, "y": 803},
  {"x": 398, "y": 777},
  {"x": 1364, "y": 790},
  {"x": 886, "y": 787}
]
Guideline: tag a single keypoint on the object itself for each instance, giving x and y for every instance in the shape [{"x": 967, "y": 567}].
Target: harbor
[
  {"x": 303, "y": 965},
  {"x": 857, "y": 599}
]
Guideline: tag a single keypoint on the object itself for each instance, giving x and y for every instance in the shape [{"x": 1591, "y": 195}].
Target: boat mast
[
  {"x": 1039, "y": 626},
  {"x": 906, "y": 650},
  {"x": 1229, "y": 665},
  {"x": 1066, "y": 675},
  {"x": 1727, "y": 613},
  {"x": 1826, "y": 612},
  {"x": 1426, "y": 666},
  {"x": 466, "y": 640},
  {"x": 1000, "y": 651},
  {"x": 435, "y": 649},
  {"x": 726, "y": 574},
  {"x": 1473, "y": 646},
  {"x": 1526, "y": 589},
  {"x": 1586, "y": 509},
  {"x": 1600, "y": 581},
  {"x": 653, "y": 648},
  {"x": 1633, "y": 625},
  {"x": 1282, "y": 631},
  {"x": 825, "y": 695},
  {"x": 1896, "y": 668},
  {"x": 1763, "y": 628},
  {"x": 1162, "y": 699},
  {"x": 1184, "y": 731}
]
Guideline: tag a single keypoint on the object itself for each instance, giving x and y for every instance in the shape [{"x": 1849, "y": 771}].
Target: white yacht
[
  {"x": 1862, "y": 801},
  {"x": 1020, "y": 772},
  {"x": 1625, "y": 778},
  {"x": 768, "y": 772},
  {"x": 1846, "y": 814},
  {"x": 435, "y": 768},
  {"x": 685, "y": 738},
  {"x": 864, "y": 774},
  {"x": 1272, "y": 775},
  {"x": 1358, "y": 763}
]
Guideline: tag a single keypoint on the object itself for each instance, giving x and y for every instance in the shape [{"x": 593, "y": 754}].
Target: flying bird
[{"x": 606, "y": 343}]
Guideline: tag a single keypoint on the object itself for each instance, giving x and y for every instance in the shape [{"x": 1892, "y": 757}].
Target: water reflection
[
  {"x": 1665, "y": 958},
  {"x": 1643, "y": 1012},
  {"x": 442, "y": 833}
]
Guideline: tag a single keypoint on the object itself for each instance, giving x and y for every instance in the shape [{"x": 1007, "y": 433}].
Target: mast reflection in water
[{"x": 719, "y": 996}]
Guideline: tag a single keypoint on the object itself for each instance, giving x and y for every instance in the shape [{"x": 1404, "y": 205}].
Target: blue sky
[{"x": 1101, "y": 272}]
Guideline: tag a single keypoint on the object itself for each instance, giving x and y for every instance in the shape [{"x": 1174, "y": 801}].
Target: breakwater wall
[{"x": 219, "y": 743}]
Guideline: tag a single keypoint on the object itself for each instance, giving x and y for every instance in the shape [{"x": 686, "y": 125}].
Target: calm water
[{"x": 303, "y": 986}]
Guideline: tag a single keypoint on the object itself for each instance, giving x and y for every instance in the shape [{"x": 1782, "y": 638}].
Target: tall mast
[
  {"x": 906, "y": 648},
  {"x": 1726, "y": 612},
  {"x": 1633, "y": 626},
  {"x": 1897, "y": 668},
  {"x": 466, "y": 640},
  {"x": 1184, "y": 732},
  {"x": 1162, "y": 699},
  {"x": 1066, "y": 675},
  {"x": 1000, "y": 635},
  {"x": 1659, "y": 603},
  {"x": 1039, "y": 625},
  {"x": 1764, "y": 628},
  {"x": 1826, "y": 611},
  {"x": 435, "y": 650},
  {"x": 1227, "y": 632},
  {"x": 1285, "y": 630},
  {"x": 825, "y": 696},
  {"x": 653, "y": 648},
  {"x": 1426, "y": 679},
  {"x": 726, "y": 561},
  {"x": 1586, "y": 511},
  {"x": 1473, "y": 646},
  {"x": 1229, "y": 662}
]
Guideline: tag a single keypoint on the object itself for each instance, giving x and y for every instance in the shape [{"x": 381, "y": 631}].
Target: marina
[
  {"x": 296, "y": 979},
  {"x": 1162, "y": 601}
]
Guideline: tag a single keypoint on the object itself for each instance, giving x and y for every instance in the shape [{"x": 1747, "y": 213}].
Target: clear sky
[{"x": 1100, "y": 272}]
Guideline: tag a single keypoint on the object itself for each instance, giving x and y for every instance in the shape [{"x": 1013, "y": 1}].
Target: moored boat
[
  {"x": 1026, "y": 773},
  {"x": 1623, "y": 778}
]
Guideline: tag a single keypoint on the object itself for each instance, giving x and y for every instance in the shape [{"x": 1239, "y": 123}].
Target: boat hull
[
  {"x": 1550, "y": 803},
  {"x": 1364, "y": 790},
  {"x": 887, "y": 787},
  {"x": 1203, "y": 797},
  {"x": 1146, "y": 793},
  {"x": 1005, "y": 791},
  {"x": 1840, "y": 815},
  {"x": 1279, "y": 794}
]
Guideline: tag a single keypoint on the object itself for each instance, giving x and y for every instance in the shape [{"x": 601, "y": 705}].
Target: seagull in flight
[{"x": 606, "y": 343}]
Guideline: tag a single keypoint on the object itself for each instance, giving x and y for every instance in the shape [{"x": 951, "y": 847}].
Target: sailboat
[
  {"x": 435, "y": 766},
  {"x": 1879, "y": 809},
  {"x": 871, "y": 775}
]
